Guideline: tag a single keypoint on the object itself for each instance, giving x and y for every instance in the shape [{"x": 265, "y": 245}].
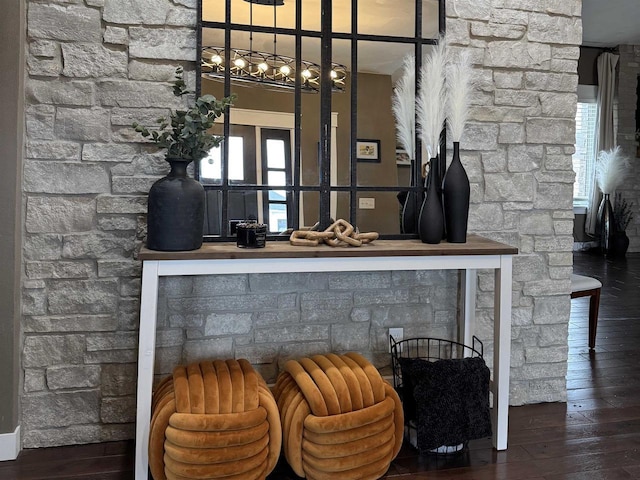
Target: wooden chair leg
[{"x": 594, "y": 305}]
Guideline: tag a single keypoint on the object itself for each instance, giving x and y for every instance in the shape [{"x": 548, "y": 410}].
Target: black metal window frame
[{"x": 326, "y": 36}]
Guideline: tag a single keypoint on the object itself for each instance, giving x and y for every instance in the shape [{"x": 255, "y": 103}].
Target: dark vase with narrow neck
[
  {"x": 431, "y": 219},
  {"x": 455, "y": 196},
  {"x": 175, "y": 219},
  {"x": 605, "y": 223},
  {"x": 410, "y": 205}
]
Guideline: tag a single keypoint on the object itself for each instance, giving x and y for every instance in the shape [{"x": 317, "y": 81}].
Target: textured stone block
[
  {"x": 562, "y": 105},
  {"x": 118, "y": 379},
  {"x": 45, "y": 351},
  {"x": 83, "y": 296},
  {"x": 292, "y": 333},
  {"x": 118, "y": 409},
  {"x": 61, "y": 150},
  {"x": 64, "y": 178},
  {"x": 92, "y": 60},
  {"x": 40, "y": 270},
  {"x": 364, "y": 280},
  {"x": 267, "y": 282},
  {"x": 496, "y": 31},
  {"x": 132, "y": 185},
  {"x": 60, "y": 409},
  {"x": 524, "y": 158},
  {"x": 479, "y": 136},
  {"x": 70, "y": 323},
  {"x": 132, "y": 12},
  {"x": 64, "y": 22},
  {"x": 350, "y": 337},
  {"x": 130, "y": 94},
  {"x": 554, "y": 195},
  {"x": 528, "y": 268},
  {"x": 108, "y": 152},
  {"x": 44, "y": 67},
  {"x": 518, "y": 54},
  {"x": 119, "y": 268},
  {"x": 83, "y": 124},
  {"x": 44, "y": 48},
  {"x": 516, "y": 187},
  {"x": 551, "y": 81},
  {"x": 554, "y": 29},
  {"x": 74, "y": 376},
  {"x": 228, "y": 324},
  {"x": 59, "y": 214},
  {"x": 34, "y": 301},
  {"x": 34, "y": 380},
  {"x": 76, "y": 93},
  {"x": 258, "y": 354},
  {"x": 281, "y": 317},
  {"x": 40, "y": 120},
  {"x": 195, "y": 350},
  {"x": 121, "y": 204},
  {"x": 96, "y": 245},
  {"x": 390, "y": 296},
  {"x": 319, "y": 300},
  {"x": 116, "y": 36},
  {"x": 551, "y": 310},
  {"x": 162, "y": 44}
]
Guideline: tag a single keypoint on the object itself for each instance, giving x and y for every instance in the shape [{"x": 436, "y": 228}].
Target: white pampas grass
[
  {"x": 459, "y": 87},
  {"x": 432, "y": 99},
  {"x": 404, "y": 106},
  {"x": 610, "y": 170}
]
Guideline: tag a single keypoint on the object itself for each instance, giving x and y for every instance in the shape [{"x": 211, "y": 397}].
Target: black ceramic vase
[
  {"x": 431, "y": 219},
  {"x": 605, "y": 223},
  {"x": 410, "y": 205},
  {"x": 175, "y": 219},
  {"x": 455, "y": 197}
]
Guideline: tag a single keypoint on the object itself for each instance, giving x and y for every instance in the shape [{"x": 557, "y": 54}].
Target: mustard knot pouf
[
  {"x": 340, "y": 419},
  {"x": 214, "y": 419}
]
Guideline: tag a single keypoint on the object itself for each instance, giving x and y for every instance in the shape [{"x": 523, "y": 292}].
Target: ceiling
[{"x": 608, "y": 23}]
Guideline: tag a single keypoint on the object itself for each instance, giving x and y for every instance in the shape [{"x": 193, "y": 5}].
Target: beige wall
[{"x": 11, "y": 121}]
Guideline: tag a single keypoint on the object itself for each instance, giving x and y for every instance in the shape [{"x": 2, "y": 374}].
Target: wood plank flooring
[{"x": 594, "y": 436}]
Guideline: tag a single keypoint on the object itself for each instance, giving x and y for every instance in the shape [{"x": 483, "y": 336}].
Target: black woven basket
[{"x": 430, "y": 349}]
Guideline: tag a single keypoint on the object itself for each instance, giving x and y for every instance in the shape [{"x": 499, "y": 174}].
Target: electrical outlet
[
  {"x": 397, "y": 334},
  {"x": 365, "y": 203}
]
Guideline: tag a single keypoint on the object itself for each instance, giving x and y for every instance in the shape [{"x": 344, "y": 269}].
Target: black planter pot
[
  {"x": 618, "y": 245},
  {"x": 175, "y": 218},
  {"x": 431, "y": 219},
  {"x": 455, "y": 197}
]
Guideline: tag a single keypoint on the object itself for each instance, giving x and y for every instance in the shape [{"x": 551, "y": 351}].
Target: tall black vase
[
  {"x": 410, "y": 205},
  {"x": 455, "y": 197},
  {"x": 175, "y": 219},
  {"x": 431, "y": 219},
  {"x": 605, "y": 223}
]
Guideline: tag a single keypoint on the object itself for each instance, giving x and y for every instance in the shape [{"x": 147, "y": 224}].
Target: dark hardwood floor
[{"x": 595, "y": 435}]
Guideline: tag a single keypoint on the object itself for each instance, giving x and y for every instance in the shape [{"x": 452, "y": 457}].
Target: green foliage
[
  {"x": 622, "y": 213},
  {"x": 184, "y": 133}
]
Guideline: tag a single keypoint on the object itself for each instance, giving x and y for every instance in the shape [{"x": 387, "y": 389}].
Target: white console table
[{"x": 280, "y": 257}]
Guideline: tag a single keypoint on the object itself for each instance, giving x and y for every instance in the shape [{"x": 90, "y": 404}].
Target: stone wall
[
  {"x": 94, "y": 66},
  {"x": 628, "y": 74}
]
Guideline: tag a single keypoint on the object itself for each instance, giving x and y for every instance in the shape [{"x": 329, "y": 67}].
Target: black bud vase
[
  {"x": 431, "y": 219},
  {"x": 410, "y": 205},
  {"x": 605, "y": 223},
  {"x": 455, "y": 196},
  {"x": 175, "y": 218}
]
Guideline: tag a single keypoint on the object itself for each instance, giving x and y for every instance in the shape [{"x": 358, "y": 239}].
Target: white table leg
[
  {"x": 146, "y": 358},
  {"x": 468, "y": 325},
  {"x": 502, "y": 351}
]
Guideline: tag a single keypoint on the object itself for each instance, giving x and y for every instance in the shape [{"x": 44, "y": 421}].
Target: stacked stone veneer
[
  {"x": 94, "y": 66},
  {"x": 629, "y": 72}
]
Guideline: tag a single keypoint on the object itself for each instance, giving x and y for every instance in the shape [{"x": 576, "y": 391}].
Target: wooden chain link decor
[{"x": 340, "y": 233}]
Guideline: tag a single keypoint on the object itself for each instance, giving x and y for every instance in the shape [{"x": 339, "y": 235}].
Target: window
[{"x": 584, "y": 158}]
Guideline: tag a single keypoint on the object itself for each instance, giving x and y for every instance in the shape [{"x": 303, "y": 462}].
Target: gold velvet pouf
[
  {"x": 214, "y": 419},
  {"x": 340, "y": 419}
]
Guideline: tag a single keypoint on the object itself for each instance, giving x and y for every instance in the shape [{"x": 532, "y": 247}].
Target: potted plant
[
  {"x": 175, "y": 208},
  {"x": 619, "y": 242}
]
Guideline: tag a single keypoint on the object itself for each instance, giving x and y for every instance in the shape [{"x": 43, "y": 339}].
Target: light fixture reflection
[{"x": 268, "y": 69}]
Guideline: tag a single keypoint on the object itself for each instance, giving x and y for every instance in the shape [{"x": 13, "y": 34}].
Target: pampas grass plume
[
  {"x": 459, "y": 86},
  {"x": 432, "y": 98},
  {"x": 610, "y": 170},
  {"x": 404, "y": 106}
]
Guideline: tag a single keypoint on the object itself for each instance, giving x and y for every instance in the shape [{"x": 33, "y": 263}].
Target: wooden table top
[{"x": 475, "y": 245}]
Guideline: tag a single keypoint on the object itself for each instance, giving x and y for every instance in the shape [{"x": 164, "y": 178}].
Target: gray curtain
[{"x": 604, "y": 127}]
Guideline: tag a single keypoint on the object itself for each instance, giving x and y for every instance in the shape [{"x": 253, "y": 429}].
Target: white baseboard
[{"x": 10, "y": 445}]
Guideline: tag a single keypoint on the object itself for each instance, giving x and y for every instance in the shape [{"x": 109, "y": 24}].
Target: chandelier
[{"x": 267, "y": 68}]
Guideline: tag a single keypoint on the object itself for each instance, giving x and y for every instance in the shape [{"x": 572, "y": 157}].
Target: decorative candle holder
[{"x": 251, "y": 235}]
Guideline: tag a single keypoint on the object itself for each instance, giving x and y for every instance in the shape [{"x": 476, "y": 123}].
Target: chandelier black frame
[{"x": 268, "y": 69}]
